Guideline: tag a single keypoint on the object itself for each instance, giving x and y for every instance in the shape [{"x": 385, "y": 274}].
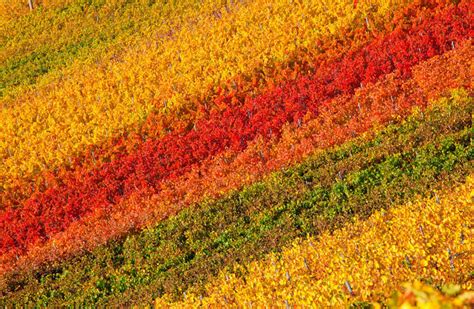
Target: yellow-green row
[{"x": 429, "y": 240}]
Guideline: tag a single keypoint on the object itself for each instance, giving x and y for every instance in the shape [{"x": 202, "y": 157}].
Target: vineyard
[{"x": 235, "y": 153}]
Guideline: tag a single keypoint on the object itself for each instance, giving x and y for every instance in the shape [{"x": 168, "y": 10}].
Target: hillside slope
[{"x": 223, "y": 153}]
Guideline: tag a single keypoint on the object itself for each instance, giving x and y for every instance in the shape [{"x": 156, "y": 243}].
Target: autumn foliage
[
  {"x": 387, "y": 100},
  {"x": 327, "y": 189},
  {"x": 236, "y": 153},
  {"x": 75, "y": 194}
]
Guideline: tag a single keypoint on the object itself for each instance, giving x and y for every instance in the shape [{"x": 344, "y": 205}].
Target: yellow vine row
[
  {"x": 428, "y": 240},
  {"x": 42, "y": 128}
]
